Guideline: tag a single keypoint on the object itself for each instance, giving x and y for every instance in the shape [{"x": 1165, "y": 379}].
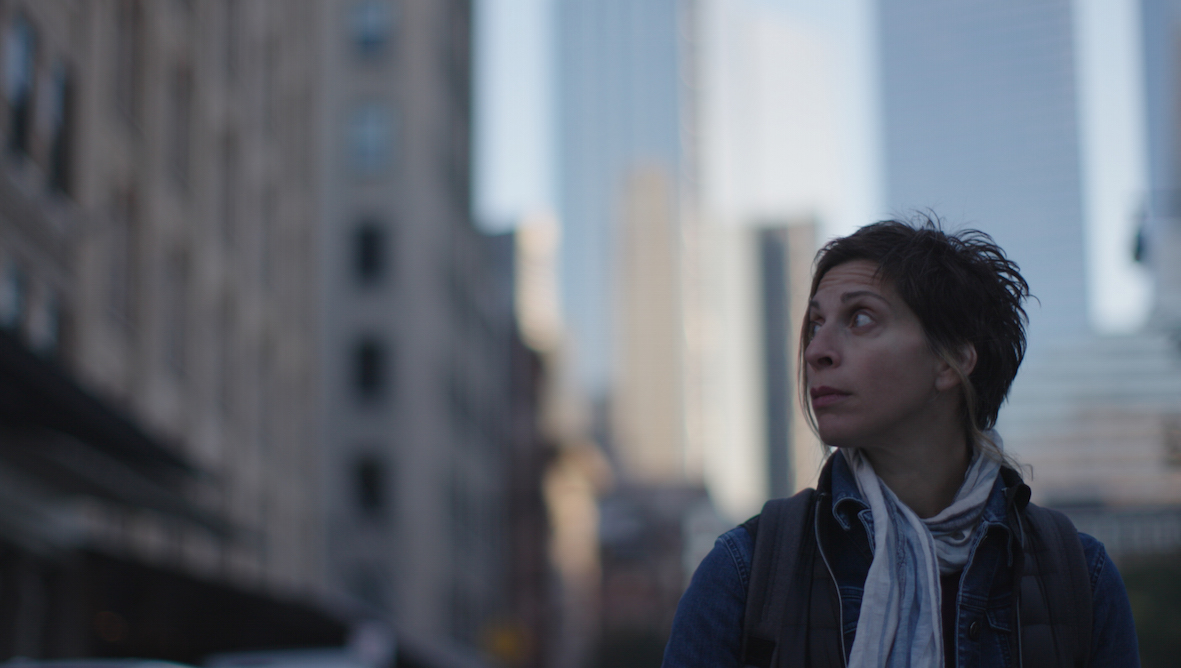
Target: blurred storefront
[
  {"x": 75, "y": 468},
  {"x": 260, "y": 376},
  {"x": 157, "y": 491}
]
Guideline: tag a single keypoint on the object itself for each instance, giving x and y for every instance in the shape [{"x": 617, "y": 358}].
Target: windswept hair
[{"x": 963, "y": 290}]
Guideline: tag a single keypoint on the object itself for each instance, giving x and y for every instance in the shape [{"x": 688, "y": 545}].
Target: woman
[{"x": 919, "y": 546}]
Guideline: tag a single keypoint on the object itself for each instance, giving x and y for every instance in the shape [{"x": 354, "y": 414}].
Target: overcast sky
[{"x": 515, "y": 120}]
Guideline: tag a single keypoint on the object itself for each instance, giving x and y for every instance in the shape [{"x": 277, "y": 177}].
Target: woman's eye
[
  {"x": 860, "y": 319},
  {"x": 812, "y": 327}
]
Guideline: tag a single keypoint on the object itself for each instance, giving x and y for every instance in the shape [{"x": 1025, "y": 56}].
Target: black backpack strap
[
  {"x": 777, "y": 600},
  {"x": 1055, "y": 590}
]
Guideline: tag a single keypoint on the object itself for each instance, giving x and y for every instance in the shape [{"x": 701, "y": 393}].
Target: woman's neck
[{"x": 925, "y": 476}]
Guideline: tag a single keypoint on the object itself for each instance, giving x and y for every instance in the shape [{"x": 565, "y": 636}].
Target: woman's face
[{"x": 872, "y": 378}]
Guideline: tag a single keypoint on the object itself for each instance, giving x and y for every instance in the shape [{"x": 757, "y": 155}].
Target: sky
[
  {"x": 788, "y": 114},
  {"x": 515, "y": 140},
  {"x": 514, "y": 127},
  {"x": 515, "y": 122}
]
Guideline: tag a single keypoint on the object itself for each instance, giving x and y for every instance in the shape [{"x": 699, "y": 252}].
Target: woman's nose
[{"x": 821, "y": 351}]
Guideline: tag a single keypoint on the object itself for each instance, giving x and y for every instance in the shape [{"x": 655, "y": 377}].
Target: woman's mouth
[{"x": 826, "y": 396}]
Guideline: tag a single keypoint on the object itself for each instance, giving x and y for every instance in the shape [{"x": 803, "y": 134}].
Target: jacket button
[{"x": 974, "y": 631}]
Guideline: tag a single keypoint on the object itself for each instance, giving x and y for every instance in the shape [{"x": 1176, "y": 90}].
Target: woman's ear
[
  {"x": 956, "y": 366},
  {"x": 966, "y": 357}
]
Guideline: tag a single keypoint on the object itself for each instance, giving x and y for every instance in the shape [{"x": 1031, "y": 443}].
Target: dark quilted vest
[{"x": 792, "y": 601}]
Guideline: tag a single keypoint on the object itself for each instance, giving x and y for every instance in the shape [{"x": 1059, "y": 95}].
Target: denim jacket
[{"x": 707, "y": 629}]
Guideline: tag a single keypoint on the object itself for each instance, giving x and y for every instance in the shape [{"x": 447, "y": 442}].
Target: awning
[{"x": 72, "y": 442}]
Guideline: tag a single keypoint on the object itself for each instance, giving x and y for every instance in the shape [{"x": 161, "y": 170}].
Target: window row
[
  {"x": 369, "y": 482},
  {"x": 371, "y": 252},
  {"x": 371, "y": 375},
  {"x": 371, "y": 139},
  {"x": 34, "y": 313},
  {"x": 370, "y": 369},
  {"x": 125, "y": 281},
  {"x": 130, "y": 87},
  {"x": 371, "y": 27},
  {"x": 38, "y": 95}
]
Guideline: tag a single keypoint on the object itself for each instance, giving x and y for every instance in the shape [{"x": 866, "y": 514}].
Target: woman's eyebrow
[
  {"x": 850, "y": 296},
  {"x": 863, "y": 293}
]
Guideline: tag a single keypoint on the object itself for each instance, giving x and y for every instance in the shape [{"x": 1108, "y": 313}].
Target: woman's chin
[
  {"x": 844, "y": 440},
  {"x": 836, "y": 437}
]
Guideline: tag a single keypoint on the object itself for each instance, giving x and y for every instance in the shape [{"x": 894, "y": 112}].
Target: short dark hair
[{"x": 963, "y": 290}]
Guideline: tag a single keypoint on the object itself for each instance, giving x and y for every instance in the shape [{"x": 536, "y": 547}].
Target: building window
[
  {"x": 122, "y": 258},
  {"x": 369, "y": 252},
  {"x": 19, "y": 58},
  {"x": 267, "y": 396},
  {"x": 270, "y": 78},
  {"x": 13, "y": 297},
  {"x": 369, "y": 369},
  {"x": 45, "y": 325},
  {"x": 371, "y": 23},
  {"x": 369, "y": 485},
  {"x": 1172, "y": 441},
  {"x": 457, "y": 395},
  {"x": 230, "y": 15},
  {"x": 267, "y": 233},
  {"x": 180, "y": 144},
  {"x": 224, "y": 365},
  {"x": 129, "y": 58},
  {"x": 459, "y": 162},
  {"x": 370, "y": 138},
  {"x": 61, "y": 116},
  {"x": 176, "y": 311},
  {"x": 366, "y": 583},
  {"x": 229, "y": 189}
]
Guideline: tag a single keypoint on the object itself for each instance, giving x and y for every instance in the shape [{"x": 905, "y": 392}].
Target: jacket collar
[
  {"x": 1009, "y": 496},
  {"x": 847, "y": 503}
]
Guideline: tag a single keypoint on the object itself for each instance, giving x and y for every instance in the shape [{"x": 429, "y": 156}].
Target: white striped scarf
[{"x": 900, "y": 625}]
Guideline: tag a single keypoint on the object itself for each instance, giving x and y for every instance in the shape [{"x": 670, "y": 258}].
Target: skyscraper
[
  {"x": 756, "y": 442},
  {"x": 623, "y": 101},
  {"x": 1161, "y": 231},
  {"x": 981, "y": 126}
]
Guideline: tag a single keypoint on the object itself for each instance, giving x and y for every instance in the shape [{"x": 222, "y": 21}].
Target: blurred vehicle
[
  {"x": 332, "y": 657},
  {"x": 366, "y": 649},
  {"x": 19, "y": 662}
]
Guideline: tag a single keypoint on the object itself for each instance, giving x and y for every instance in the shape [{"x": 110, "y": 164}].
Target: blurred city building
[
  {"x": 774, "y": 142},
  {"x": 684, "y": 313},
  {"x": 157, "y": 216},
  {"x": 575, "y": 472},
  {"x": 646, "y": 531},
  {"x": 757, "y": 443},
  {"x": 433, "y": 461},
  {"x": 1160, "y": 232},
  {"x": 634, "y": 285},
  {"x": 262, "y": 384},
  {"x": 625, "y": 123},
  {"x": 625, "y": 100},
  {"x": 659, "y": 478},
  {"x": 781, "y": 163},
  {"x": 980, "y": 124},
  {"x": 981, "y": 121},
  {"x": 648, "y": 398}
]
